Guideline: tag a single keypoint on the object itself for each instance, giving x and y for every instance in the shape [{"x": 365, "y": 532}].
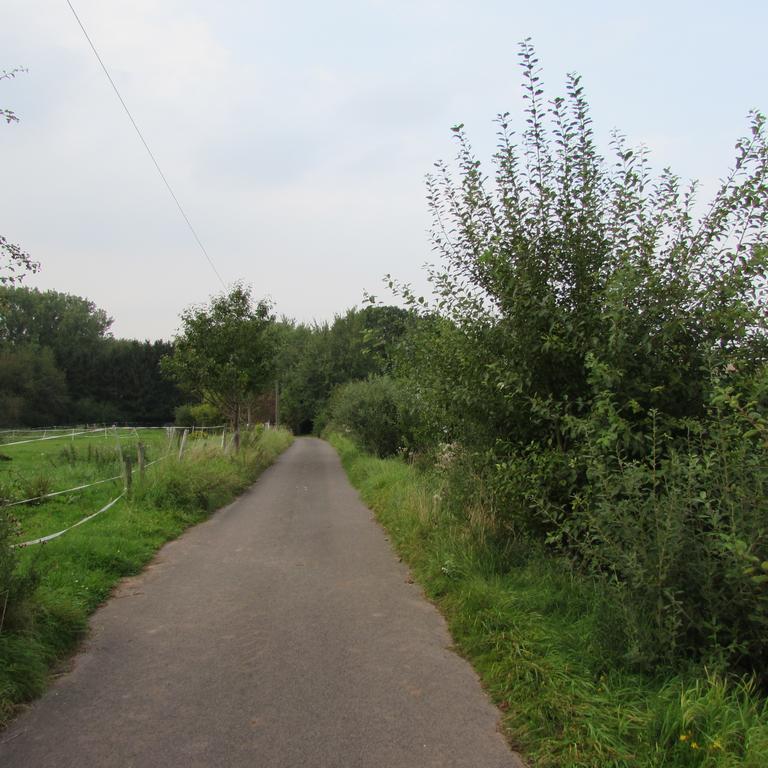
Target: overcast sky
[{"x": 297, "y": 134}]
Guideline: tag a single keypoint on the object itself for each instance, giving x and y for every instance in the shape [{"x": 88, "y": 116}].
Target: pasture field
[{"x": 36, "y": 463}]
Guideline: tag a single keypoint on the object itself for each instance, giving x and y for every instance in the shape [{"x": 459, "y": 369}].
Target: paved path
[{"x": 281, "y": 633}]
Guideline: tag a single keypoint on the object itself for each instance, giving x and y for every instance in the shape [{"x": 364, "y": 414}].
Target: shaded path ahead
[{"x": 281, "y": 633}]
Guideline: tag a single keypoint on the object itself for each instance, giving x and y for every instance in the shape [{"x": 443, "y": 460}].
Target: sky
[{"x": 297, "y": 135}]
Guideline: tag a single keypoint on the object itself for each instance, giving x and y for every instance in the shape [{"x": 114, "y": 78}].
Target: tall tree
[
  {"x": 316, "y": 359},
  {"x": 32, "y": 389},
  {"x": 226, "y": 351}
]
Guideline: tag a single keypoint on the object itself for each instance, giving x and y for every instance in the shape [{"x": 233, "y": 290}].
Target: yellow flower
[
  {"x": 694, "y": 745},
  {"x": 684, "y": 737}
]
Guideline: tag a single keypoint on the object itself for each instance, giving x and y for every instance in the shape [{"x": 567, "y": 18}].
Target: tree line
[{"x": 59, "y": 364}]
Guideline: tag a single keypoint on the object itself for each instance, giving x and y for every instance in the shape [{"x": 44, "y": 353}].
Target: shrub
[
  {"x": 599, "y": 354},
  {"x": 374, "y": 412},
  {"x": 198, "y": 415}
]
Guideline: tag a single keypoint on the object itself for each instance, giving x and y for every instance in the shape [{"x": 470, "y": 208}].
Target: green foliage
[
  {"x": 548, "y": 643},
  {"x": 121, "y": 381},
  {"x": 316, "y": 359},
  {"x": 17, "y": 586},
  {"x": 69, "y": 325},
  {"x": 597, "y": 354},
  {"x": 60, "y": 365},
  {"x": 15, "y": 263},
  {"x": 680, "y": 530},
  {"x": 199, "y": 415},
  {"x": 569, "y": 265},
  {"x": 32, "y": 389},
  {"x": 226, "y": 351},
  {"x": 374, "y": 412}
]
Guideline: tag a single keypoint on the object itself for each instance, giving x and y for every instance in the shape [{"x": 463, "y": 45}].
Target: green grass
[
  {"x": 547, "y": 643},
  {"x": 33, "y": 469},
  {"x": 74, "y": 574}
]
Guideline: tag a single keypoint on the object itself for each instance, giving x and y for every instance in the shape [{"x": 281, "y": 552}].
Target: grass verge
[
  {"x": 74, "y": 574},
  {"x": 544, "y": 642}
]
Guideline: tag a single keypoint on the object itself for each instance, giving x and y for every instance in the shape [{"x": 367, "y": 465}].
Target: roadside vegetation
[
  {"x": 568, "y": 439},
  {"x": 547, "y": 640},
  {"x": 48, "y": 591},
  {"x": 581, "y": 417}
]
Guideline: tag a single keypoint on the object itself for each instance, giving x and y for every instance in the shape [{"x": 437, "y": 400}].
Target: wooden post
[
  {"x": 128, "y": 473},
  {"x": 236, "y": 437},
  {"x": 183, "y": 443},
  {"x": 141, "y": 456},
  {"x": 118, "y": 444},
  {"x": 223, "y": 437}
]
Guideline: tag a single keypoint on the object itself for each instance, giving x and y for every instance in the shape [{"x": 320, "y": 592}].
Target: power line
[{"x": 146, "y": 146}]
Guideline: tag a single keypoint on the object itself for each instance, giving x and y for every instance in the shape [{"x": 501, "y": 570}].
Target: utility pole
[{"x": 277, "y": 403}]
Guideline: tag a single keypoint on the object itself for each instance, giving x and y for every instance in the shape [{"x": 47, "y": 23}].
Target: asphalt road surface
[{"x": 281, "y": 633}]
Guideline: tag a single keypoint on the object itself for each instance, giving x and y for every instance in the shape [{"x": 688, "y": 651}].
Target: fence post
[
  {"x": 141, "y": 458},
  {"x": 223, "y": 437},
  {"x": 128, "y": 474},
  {"x": 118, "y": 444},
  {"x": 183, "y": 443}
]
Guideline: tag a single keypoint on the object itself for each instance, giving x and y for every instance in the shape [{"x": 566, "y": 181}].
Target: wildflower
[
  {"x": 684, "y": 737},
  {"x": 694, "y": 745}
]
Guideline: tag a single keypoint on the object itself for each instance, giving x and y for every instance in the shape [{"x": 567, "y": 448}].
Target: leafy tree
[
  {"x": 14, "y": 263},
  {"x": 121, "y": 381},
  {"x": 200, "y": 415},
  {"x": 316, "y": 359},
  {"x": 106, "y": 379},
  {"x": 73, "y": 327},
  {"x": 226, "y": 352},
  {"x": 564, "y": 269},
  {"x": 598, "y": 352},
  {"x": 32, "y": 389},
  {"x": 374, "y": 412}
]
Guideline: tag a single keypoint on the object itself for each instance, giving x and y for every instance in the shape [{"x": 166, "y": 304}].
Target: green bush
[
  {"x": 596, "y": 354},
  {"x": 374, "y": 412},
  {"x": 198, "y": 415}
]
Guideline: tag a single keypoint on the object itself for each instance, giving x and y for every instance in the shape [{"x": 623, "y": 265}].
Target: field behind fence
[{"x": 54, "y": 479}]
